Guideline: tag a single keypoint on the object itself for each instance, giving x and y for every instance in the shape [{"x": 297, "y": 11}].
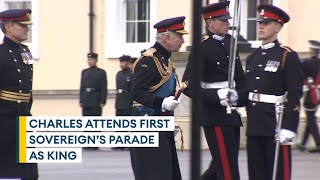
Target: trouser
[
  {"x": 123, "y": 112},
  {"x": 91, "y": 111},
  {"x": 223, "y": 142},
  {"x": 160, "y": 163},
  {"x": 311, "y": 128},
  {"x": 261, "y": 152}
]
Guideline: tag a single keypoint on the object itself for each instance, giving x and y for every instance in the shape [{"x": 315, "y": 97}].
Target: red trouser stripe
[
  {"x": 223, "y": 153},
  {"x": 286, "y": 166}
]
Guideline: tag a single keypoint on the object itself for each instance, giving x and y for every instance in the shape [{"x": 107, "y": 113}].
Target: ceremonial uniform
[
  {"x": 153, "y": 83},
  {"x": 272, "y": 71},
  {"x": 16, "y": 73},
  {"x": 311, "y": 68},
  {"x": 93, "y": 89},
  {"x": 222, "y": 130},
  {"x": 123, "y": 84}
]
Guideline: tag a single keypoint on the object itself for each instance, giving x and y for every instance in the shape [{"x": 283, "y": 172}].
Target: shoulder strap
[{"x": 284, "y": 56}]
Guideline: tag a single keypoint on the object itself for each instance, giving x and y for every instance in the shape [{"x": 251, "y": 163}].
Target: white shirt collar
[
  {"x": 217, "y": 37},
  {"x": 267, "y": 46}
]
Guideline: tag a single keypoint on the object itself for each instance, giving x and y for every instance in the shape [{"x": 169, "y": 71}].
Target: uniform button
[
  {"x": 227, "y": 56},
  {"x": 255, "y": 90},
  {"x": 222, "y": 43},
  {"x": 18, "y": 70},
  {"x": 15, "y": 60},
  {"x": 248, "y": 70},
  {"x": 20, "y": 91},
  {"x": 263, "y": 53},
  {"x": 218, "y": 63},
  {"x": 10, "y": 51},
  {"x": 18, "y": 101},
  {"x": 20, "y": 81},
  {"x": 260, "y": 65},
  {"x": 253, "y": 104},
  {"x": 257, "y": 77},
  {"x": 31, "y": 69}
]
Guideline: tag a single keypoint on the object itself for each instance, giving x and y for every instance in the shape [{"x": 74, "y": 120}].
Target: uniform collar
[
  {"x": 162, "y": 50},
  {"x": 11, "y": 43},
  {"x": 217, "y": 37},
  {"x": 269, "y": 45}
]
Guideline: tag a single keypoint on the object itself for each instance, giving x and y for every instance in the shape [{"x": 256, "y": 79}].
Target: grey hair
[{"x": 160, "y": 36}]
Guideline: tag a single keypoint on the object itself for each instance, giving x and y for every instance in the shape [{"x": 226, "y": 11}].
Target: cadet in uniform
[
  {"x": 123, "y": 84},
  {"x": 16, "y": 70},
  {"x": 93, "y": 89},
  {"x": 153, "y": 90},
  {"x": 222, "y": 130},
  {"x": 311, "y": 68},
  {"x": 272, "y": 71}
]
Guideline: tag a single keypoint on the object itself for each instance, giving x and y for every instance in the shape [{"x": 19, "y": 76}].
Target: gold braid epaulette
[
  {"x": 284, "y": 56},
  {"x": 286, "y": 48},
  {"x": 204, "y": 37}
]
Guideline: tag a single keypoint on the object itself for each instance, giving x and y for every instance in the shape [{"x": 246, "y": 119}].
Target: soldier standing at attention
[
  {"x": 222, "y": 130},
  {"x": 16, "y": 71},
  {"x": 93, "y": 89},
  {"x": 274, "y": 76},
  {"x": 123, "y": 84},
  {"x": 311, "y": 68},
  {"x": 153, "y": 90}
]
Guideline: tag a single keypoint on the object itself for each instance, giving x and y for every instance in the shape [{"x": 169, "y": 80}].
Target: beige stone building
[{"x": 59, "y": 38}]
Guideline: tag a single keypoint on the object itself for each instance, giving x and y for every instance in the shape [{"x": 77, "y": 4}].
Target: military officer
[
  {"x": 16, "y": 70},
  {"x": 272, "y": 71},
  {"x": 311, "y": 68},
  {"x": 222, "y": 130},
  {"x": 153, "y": 89},
  {"x": 93, "y": 89}
]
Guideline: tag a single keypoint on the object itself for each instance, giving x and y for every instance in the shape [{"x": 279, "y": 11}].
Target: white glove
[
  {"x": 223, "y": 93},
  {"x": 305, "y": 88},
  {"x": 233, "y": 96},
  {"x": 286, "y": 136},
  {"x": 169, "y": 104}
]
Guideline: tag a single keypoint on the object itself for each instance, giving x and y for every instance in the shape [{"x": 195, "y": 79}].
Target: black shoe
[
  {"x": 301, "y": 147},
  {"x": 314, "y": 149}
]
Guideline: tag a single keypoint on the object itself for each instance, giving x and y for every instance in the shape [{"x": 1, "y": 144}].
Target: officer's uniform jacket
[
  {"x": 273, "y": 69},
  {"x": 15, "y": 100},
  {"x": 311, "y": 68},
  {"x": 123, "y": 85},
  {"x": 215, "y": 65},
  {"x": 93, "y": 88},
  {"x": 150, "y": 72}
]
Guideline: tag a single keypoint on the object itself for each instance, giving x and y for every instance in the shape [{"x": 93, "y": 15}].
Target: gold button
[{"x": 18, "y": 101}]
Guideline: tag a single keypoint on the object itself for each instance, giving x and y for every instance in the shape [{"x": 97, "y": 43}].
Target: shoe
[
  {"x": 301, "y": 147},
  {"x": 314, "y": 149}
]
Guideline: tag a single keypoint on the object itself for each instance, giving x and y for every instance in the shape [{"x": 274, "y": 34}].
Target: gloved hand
[
  {"x": 169, "y": 104},
  {"x": 223, "y": 93},
  {"x": 305, "y": 88},
  {"x": 233, "y": 96},
  {"x": 286, "y": 136}
]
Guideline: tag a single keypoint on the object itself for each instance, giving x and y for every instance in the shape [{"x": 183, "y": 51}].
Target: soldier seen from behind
[
  {"x": 274, "y": 79},
  {"x": 16, "y": 74},
  {"x": 93, "y": 89},
  {"x": 311, "y": 68}
]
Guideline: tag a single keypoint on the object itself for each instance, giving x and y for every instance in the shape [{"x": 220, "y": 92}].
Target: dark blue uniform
[
  {"x": 93, "y": 91},
  {"x": 271, "y": 70},
  {"x": 154, "y": 163},
  {"x": 16, "y": 72},
  {"x": 311, "y": 68},
  {"x": 222, "y": 130}
]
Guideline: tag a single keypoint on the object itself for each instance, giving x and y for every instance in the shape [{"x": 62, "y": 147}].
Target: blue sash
[{"x": 163, "y": 91}]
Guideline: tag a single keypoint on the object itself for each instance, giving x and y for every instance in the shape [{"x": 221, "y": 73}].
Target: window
[
  {"x": 138, "y": 21},
  {"x": 129, "y": 26},
  {"x": 32, "y": 40}
]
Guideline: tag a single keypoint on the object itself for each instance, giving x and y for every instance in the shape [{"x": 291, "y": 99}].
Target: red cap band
[
  {"x": 270, "y": 15},
  {"x": 171, "y": 28},
  {"x": 220, "y": 12}
]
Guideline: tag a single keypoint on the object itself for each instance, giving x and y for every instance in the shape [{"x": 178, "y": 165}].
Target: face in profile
[
  {"x": 218, "y": 26},
  {"x": 175, "y": 41}
]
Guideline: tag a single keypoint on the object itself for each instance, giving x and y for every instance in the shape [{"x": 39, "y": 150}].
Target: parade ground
[{"x": 107, "y": 164}]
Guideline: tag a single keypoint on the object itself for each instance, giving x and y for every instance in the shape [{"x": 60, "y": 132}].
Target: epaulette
[
  {"x": 286, "y": 48},
  {"x": 149, "y": 52},
  {"x": 204, "y": 37}
]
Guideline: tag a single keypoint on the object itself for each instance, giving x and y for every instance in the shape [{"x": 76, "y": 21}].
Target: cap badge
[{"x": 262, "y": 12}]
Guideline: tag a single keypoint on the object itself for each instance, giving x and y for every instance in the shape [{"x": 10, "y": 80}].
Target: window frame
[
  {"x": 115, "y": 41},
  {"x": 34, "y": 44}
]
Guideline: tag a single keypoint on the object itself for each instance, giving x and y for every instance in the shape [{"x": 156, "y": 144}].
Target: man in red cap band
[
  {"x": 16, "y": 71},
  {"x": 274, "y": 80},
  {"x": 311, "y": 68},
  {"x": 154, "y": 84},
  {"x": 222, "y": 130}
]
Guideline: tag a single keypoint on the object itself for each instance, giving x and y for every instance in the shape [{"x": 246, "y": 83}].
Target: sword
[{"x": 233, "y": 51}]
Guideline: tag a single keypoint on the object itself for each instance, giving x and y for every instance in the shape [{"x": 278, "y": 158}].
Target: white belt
[
  {"x": 266, "y": 98},
  {"x": 214, "y": 85}
]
